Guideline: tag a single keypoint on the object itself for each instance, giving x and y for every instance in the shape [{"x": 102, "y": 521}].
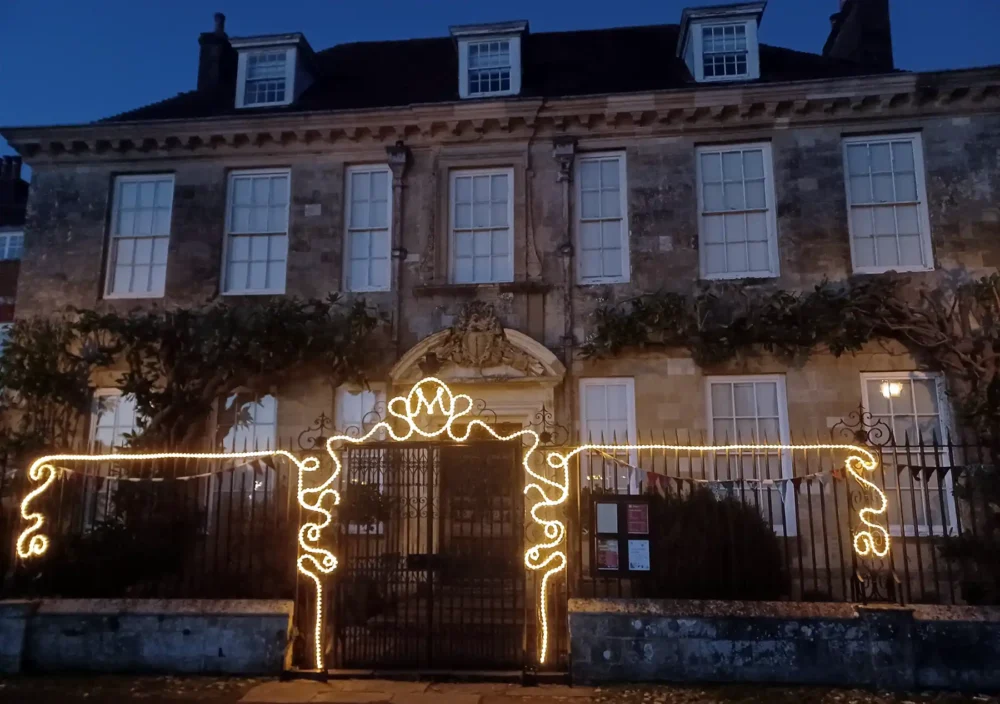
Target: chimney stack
[
  {"x": 861, "y": 32},
  {"x": 216, "y": 60}
]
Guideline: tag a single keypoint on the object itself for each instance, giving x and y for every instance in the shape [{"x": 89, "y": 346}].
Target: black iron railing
[
  {"x": 163, "y": 528},
  {"x": 779, "y": 525}
]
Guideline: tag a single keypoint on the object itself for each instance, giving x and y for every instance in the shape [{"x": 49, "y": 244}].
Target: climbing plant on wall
[
  {"x": 175, "y": 362},
  {"x": 955, "y": 329}
]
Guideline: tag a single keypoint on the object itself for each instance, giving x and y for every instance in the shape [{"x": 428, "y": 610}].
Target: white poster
[
  {"x": 607, "y": 518},
  {"x": 638, "y": 555}
]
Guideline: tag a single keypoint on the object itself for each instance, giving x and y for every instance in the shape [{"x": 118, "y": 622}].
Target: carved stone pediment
[{"x": 477, "y": 340}]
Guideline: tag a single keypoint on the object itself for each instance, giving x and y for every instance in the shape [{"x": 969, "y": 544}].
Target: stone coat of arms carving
[{"x": 477, "y": 340}]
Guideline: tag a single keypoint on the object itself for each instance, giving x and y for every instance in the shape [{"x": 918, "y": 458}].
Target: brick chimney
[
  {"x": 13, "y": 192},
  {"x": 216, "y": 60},
  {"x": 860, "y": 32}
]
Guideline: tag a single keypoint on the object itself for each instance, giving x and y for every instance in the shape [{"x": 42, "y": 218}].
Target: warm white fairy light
[
  {"x": 865, "y": 542},
  {"x": 319, "y": 558},
  {"x": 316, "y": 561},
  {"x": 430, "y": 396},
  {"x": 32, "y": 543}
]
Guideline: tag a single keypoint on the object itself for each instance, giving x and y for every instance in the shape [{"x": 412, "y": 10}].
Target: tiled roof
[{"x": 554, "y": 64}]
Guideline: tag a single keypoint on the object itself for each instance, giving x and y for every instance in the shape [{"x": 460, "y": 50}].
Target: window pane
[
  {"x": 910, "y": 253},
  {"x": 861, "y": 189},
  {"x": 743, "y": 397},
  {"x": 735, "y": 227},
  {"x": 610, "y": 204},
  {"x": 755, "y": 195},
  {"x": 713, "y": 198},
  {"x": 902, "y": 156},
  {"x": 713, "y": 229},
  {"x": 734, "y": 197},
  {"x": 881, "y": 159},
  {"x": 906, "y": 187},
  {"x": 767, "y": 399},
  {"x": 722, "y": 400},
  {"x": 715, "y": 259},
  {"x": 925, "y": 396},
  {"x": 141, "y": 206},
  {"x": 609, "y": 173},
  {"x": 732, "y": 166},
  {"x": 753, "y": 164},
  {"x": 882, "y": 188},
  {"x": 711, "y": 168},
  {"x": 857, "y": 160}
]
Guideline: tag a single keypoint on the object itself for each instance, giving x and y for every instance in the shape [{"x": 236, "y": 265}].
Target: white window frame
[
  {"x": 774, "y": 269},
  {"x": 923, "y": 216},
  {"x": 452, "y": 177},
  {"x": 625, "y": 230},
  {"x": 6, "y": 238},
  {"x": 753, "y": 50},
  {"x": 113, "y": 238},
  {"x": 378, "y": 396},
  {"x": 220, "y": 409},
  {"x": 291, "y": 53},
  {"x": 463, "y": 65},
  {"x": 787, "y": 467},
  {"x": 103, "y": 393},
  {"x": 225, "y": 482},
  {"x": 944, "y": 426},
  {"x": 349, "y": 285},
  {"x": 107, "y": 474},
  {"x": 631, "y": 456},
  {"x": 226, "y": 240}
]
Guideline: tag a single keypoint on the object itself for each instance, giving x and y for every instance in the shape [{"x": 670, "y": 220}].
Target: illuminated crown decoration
[{"x": 431, "y": 400}]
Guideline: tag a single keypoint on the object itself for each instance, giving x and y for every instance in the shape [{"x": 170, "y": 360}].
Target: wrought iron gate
[{"x": 430, "y": 546}]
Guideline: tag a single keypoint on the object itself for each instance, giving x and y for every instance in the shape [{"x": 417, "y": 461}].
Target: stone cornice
[{"x": 760, "y": 105}]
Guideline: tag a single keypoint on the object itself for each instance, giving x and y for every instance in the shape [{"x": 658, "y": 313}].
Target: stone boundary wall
[
  {"x": 901, "y": 648},
  {"x": 182, "y": 636}
]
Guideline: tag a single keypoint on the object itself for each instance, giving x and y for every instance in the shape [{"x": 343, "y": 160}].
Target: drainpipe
[
  {"x": 399, "y": 159},
  {"x": 564, "y": 151}
]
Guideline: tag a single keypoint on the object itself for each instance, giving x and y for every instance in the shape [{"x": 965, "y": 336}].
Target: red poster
[
  {"x": 638, "y": 519},
  {"x": 607, "y": 553}
]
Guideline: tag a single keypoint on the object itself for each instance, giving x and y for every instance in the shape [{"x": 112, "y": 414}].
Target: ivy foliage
[
  {"x": 955, "y": 329},
  {"x": 177, "y": 362},
  {"x": 723, "y": 321}
]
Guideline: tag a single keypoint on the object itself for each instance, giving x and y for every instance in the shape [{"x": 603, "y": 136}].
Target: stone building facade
[{"x": 560, "y": 117}]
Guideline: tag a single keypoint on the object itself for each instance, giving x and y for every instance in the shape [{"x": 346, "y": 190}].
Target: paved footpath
[
  {"x": 394, "y": 692},
  {"x": 210, "y": 690}
]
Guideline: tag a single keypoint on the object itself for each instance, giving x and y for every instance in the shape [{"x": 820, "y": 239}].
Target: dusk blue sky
[{"x": 72, "y": 61}]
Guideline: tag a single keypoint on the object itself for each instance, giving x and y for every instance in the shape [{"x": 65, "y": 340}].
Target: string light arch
[{"x": 427, "y": 398}]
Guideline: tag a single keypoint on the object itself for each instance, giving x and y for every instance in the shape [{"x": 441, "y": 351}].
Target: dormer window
[
  {"x": 272, "y": 71},
  {"x": 489, "y": 67},
  {"x": 489, "y": 59},
  {"x": 265, "y": 78},
  {"x": 724, "y": 51},
  {"x": 720, "y": 43}
]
